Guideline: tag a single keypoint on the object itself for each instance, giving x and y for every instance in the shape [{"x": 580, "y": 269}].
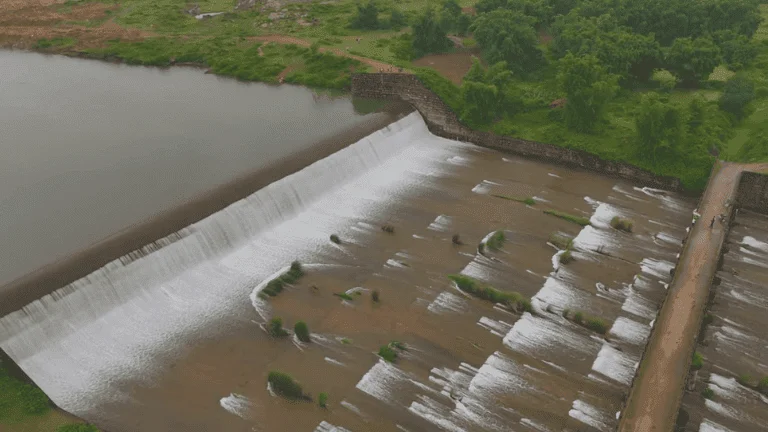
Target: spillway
[{"x": 172, "y": 337}]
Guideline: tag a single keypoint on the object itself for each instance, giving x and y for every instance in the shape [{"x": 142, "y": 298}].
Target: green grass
[
  {"x": 578, "y": 220},
  {"x": 496, "y": 240},
  {"x": 20, "y": 400},
  {"x": 388, "y": 353},
  {"x": 45, "y": 44},
  {"x": 322, "y": 400},
  {"x": 346, "y": 341},
  {"x": 622, "y": 224},
  {"x": 485, "y": 292},
  {"x": 697, "y": 362},
  {"x": 566, "y": 257},
  {"x": 597, "y": 325},
  {"x": 344, "y": 296},
  {"x": 528, "y": 201},
  {"x": 77, "y": 428},
  {"x": 708, "y": 393}
]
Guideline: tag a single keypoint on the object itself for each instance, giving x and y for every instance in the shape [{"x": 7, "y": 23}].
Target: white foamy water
[
  {"x": 498, "y": 328},
  {"x": 543, "y": 338},
  {"x": 755, "y": 244},
  {"x": 442, "y": 223},
  {"x": 710, "y": 426},
  {"x": 630, "y": 331},
  {"x": 448, "y": 302},
  {"x": 157, "y": 304},
  {"x": 484, "y": 187},
  {"x": 238, "y": 405},
  {"x": 324, "y": 426},
  {"x": 615, "y": 364},
  {"x": 383, "y": 381},
  {"x": 589, "y": 415}
]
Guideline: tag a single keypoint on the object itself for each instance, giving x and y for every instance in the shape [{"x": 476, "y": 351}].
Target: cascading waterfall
[{"x": 124, "y": 319}]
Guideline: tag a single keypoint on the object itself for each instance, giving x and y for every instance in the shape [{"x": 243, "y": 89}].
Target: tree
[
  {"x": 429, "y": 36},
  {"x": 302, "y": 331},
  {"x": 737, "y": 50},
  {"x": 739, "y": 91},
  {"x": 629, "y": 55},
  {"x": 480, "y": 101},
  {"x": 692, "y": 60},
  {"x": 275, "y": 328},
  {"x": 397, "y": 19},
  {"x": 367, "y": 17},
  {"x": 588, "y": 88},
  {"x": 508, "y": 36},
  {"x": 660, "y": 127}
]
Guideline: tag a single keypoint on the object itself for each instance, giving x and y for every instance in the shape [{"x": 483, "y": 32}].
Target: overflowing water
[
  {"x": 735, "y": 344},
  {"x": 155, "y": 342}
]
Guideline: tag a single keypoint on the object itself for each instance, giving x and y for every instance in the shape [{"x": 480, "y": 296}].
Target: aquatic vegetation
[
  {"x": 560, "y": 241},
  {"x": 335, "y": 239},
  {"x": 387, "y": 353},
  {"x": 389, "y": 229},
  {"x": 275, "y": 286},
  {"x": 275, "y": 328},
  {"x": 375, "y": 296},
  {"x": 496, "y": 241},
  {"x": 302, "y": 331},
  {"x": 77, "y": 427},
  {"x": 597, "y": 325},
  {"x": 322, "y": 400},
  {"x": 744, "y": 380},
  {"x": 566, "y": 313},
  {"x": 485, "y": 292},
  {"x": 528, "y": 201},
  {"x": 344, "y": 296},
  {"x": 697, "y": 362},
  {"x": 578, "y": 220},
  {"x": 285, "y": 386},
  {"x": 708, "y": 393},
  {"x": 566, "y": 257},
  {"x": 622, "y": 224},
  {"x": 399, "y": 345},
  {"x": 346, "y": 341},
  {"x": 708, "y": 318},
  {"x": 762, "y": 386},
  {"x": 456, "y": 240},
  {"x": 578, "y": 318}
]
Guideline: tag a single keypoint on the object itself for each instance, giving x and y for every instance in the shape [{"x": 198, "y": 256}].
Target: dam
[{"x": 174, "y": 336}]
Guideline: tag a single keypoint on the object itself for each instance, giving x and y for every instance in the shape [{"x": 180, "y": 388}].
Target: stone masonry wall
[
  {"x": 442, "y": 121},
  {"x": 753, "y": 192}
]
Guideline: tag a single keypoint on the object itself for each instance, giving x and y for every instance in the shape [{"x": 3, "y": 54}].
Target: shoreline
[{"x": 53, "y": 276}]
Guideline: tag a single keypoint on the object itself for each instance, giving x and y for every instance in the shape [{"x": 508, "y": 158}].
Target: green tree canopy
[
  {"x": 429, "y": 36},
  {"x": 660, "y": 128},
  {"x": 588, "y": 87},
  {"x": 508, "y": 36},
  {"x": 739, "y": 91},
  {"x": 738, "y": 51},
  {"x": 367, "y": 17},
  {"x": 629, "y": 55},
  {"x": 692, "y": 60},
  {"x": 540, "y": 10},
  {"x": 480, "y": 102}
]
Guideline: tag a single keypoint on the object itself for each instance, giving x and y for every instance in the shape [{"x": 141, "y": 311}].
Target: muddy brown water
[
  {"x": 174, "y": 339},
  {"x": 735, "y": 343},
  {"x": 90, "y": 148}
]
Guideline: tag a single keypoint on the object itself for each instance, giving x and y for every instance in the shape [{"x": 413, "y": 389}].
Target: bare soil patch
[{"x": 454, "y": 65}]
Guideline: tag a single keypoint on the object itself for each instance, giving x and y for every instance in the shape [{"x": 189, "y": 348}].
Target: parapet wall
[
  {"x": 442, "y": 121},
  {"x": 753, "y": 192}
]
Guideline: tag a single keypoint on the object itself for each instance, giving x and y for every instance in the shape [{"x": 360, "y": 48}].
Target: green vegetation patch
[
  {"x": 578, "y": 220},
  {"x": 54, "y": 43},
  {"x": 285, "y": 386},
  {"x": 275, "y": 328},
  {"x": 708, "y": 393},
  {"x": 485, "y": 292},
  {"x": 79, "y": 427},
  {"x": 561, "y": 241},
  {"x": 275, "y": 286},
  {"x": 697, "y": 362},
  {"x": 322, "y": 400},
  {"x": 389, "y": 352},
  {"x": 622, "y": 224},
  {"x": 528, "y": 201},
  {"x": 344, "y": 296},
  {"x": 597, "y": 325},
  {"x": 302, "y": 331},
  {"x": 18, "y": 399},
  {"x": 496, "y": 240}
]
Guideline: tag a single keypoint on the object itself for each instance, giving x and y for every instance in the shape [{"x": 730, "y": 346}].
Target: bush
[
  {"x": 275, "y": 328},
  {"x": 597, "y": 325},
  {"x": 302, "y": 331},
  {"x": 375, "y": 296},
  {"x": 477, "y": 289},
  {"x": 529, "y": 201},
  {"x": 708, "y": 318},
  {"x": 346, "y": 341},
  {"x": 322, "y": 400},
  {"x": 579, "y": 220},
  {"x": 762, "y": 386},
  {"x": 697, "y": 362},
  {"x": 744, "y": 380},
  {"x": 456, "y": 239},
  {"x": 566, "y": 313},
  {"x": 285, "y": 386},
  {"x": 578, "y": 317},
  {"x": 399, "y": 345},
  {"x": 560, "y": 241},
  {"x": 708, "y": 393},
  {"x": 387, "y": 353},
  {"x": 275, "y": 286},
  {"x": 335, "y": 239},
  {"x": 621, "y": 224},
  {"x": 566, "y": 257},
  {"x": 496, "y": 241},
  {"x": 739, "y": 91},
  {"x": 389, "y": 229}
]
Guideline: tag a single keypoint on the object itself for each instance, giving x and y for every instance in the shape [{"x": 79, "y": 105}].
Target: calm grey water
[{"x": 89, "y": 148}]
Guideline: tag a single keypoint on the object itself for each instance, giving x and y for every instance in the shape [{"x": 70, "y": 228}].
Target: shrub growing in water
[
  {"x": 389, "y": 229},
  {"x": 744, "y": 380},
  {"x": 344, "y": 296},
  {"x": 496, "y": 241},
  {"x": 285, "y": 386},
  {"x": 528, "y": 201},
  {"x": 596, "y": 325},
  {"x": 275, "y": 328},
  {"x": 566, "y": 257},
  {"x": 302, "y": 331},
  {"x": 322, "y": 400},
  {"x": 579, "y": 220},
  {"x": 621, "y": 224},
  {"x": 477, "y": 289},
  {"x": 375, "y": 296},
  {"x": 697, "y": 362},
  {"x": 578, "y": 317},
  {"x": 335, "y": 239},
  {"x": 708, "y": 393},
  {"x": 387, "y": 353},
  {"x": 560, "y": 241},
  {"x": 762, "y": 386}
]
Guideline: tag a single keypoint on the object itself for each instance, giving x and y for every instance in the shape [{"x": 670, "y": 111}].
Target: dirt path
[
  {"x": 658, "y": 389},
  {"x": 376, "y": 65}
]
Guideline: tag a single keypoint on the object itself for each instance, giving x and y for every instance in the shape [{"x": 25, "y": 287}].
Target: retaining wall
[
  {"x": 442, "y": 121},
  {"x": 753, "y": 192}
]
